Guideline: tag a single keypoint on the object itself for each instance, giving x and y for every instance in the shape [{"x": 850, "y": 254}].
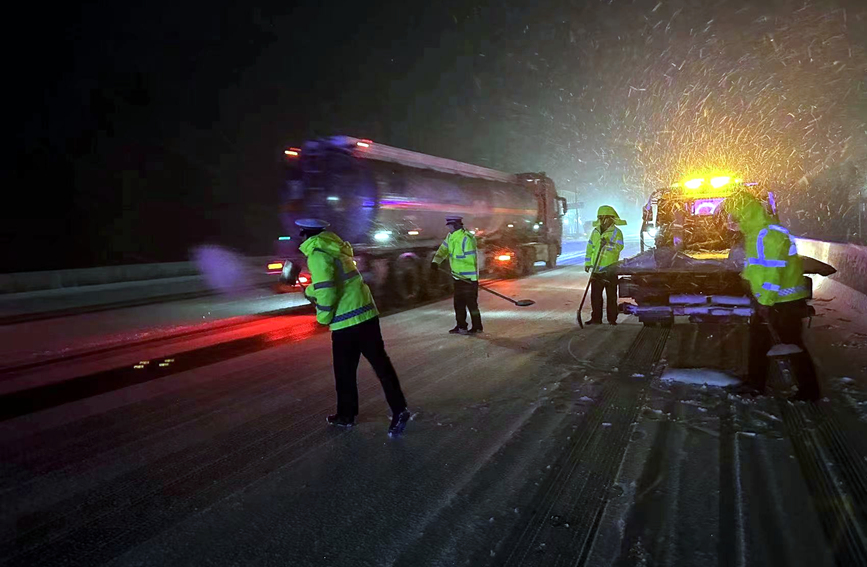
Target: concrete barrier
[
  {"x": 850, "y": 260},
  {"x": 61, "y": 279}
]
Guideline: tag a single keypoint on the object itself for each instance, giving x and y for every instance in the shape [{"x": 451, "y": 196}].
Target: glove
[
  {"x": 763, "y": 311},
  {"x": 587, "y": 269}
]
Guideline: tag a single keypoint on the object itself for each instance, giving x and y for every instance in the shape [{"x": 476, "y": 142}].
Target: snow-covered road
[{"x": 533, "y": 444}]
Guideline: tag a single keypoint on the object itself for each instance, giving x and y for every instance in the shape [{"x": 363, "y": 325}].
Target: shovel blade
[
  {"x": 783, "y": 350},
  {"x": 525, "y": 302}
]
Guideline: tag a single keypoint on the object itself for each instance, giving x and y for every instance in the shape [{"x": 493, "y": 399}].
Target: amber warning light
[{"x": 292, "y": 152}]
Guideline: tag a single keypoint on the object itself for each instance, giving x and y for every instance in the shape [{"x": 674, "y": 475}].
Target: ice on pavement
[{"x": 699, "y": 376}]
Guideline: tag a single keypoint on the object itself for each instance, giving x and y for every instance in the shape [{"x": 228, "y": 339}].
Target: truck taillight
[
  {"x": 303, "y": 279},
  {"x": 275, "y": 266},
  {"x": 292, "y": 152},
  {"x": 363, "y": 143},
  {"x": 504, "y": 258}
]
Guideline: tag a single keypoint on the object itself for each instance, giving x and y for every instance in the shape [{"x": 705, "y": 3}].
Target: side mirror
[{"x": 647, "y": 214}]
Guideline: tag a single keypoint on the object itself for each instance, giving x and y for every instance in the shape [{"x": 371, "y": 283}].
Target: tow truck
[{"x": 691, "y": 260}]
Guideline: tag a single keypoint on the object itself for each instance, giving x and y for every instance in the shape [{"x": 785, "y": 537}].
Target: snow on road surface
[
  {"x": 36, "y": 340},
  {"x": 535, "y": 443},
  {"x": 33, "y": 341},
  {"x": 699, "y": 376}
]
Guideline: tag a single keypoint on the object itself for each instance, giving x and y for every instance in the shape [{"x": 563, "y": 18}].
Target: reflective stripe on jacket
[
  {"x": 338, "y": 291},
  {"x": 611, "y": 252},
  {"x": 461, "y": 250}
]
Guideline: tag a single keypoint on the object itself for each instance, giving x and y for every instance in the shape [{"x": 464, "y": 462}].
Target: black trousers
[
  {"x": 347, "y": 346},
  {"x": 467, "y": 298},
  {"x": 598, "y": 283},
  {"x": 787, "y": 321}
]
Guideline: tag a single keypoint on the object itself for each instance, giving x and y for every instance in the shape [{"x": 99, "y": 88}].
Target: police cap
[{"x": 312, "y": 223}]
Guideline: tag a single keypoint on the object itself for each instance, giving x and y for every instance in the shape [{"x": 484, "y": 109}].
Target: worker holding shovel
[
  {"x": 775, "y": 275},
  {"x": 460, "y": 248},
  {"x": 603, "y": 250}
]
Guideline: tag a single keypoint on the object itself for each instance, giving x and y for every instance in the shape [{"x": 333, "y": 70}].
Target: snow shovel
[
  {"x": 518, "y": 302},
  {"x": 602, "y": 244}
]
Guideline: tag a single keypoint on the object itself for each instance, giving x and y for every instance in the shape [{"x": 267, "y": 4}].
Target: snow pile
[
  {"x": 223, "y": 270},
  {"x": 699, "y": 376}
]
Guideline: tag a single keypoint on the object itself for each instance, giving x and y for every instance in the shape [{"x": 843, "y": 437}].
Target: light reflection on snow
[{"x": 699, "y": 376}]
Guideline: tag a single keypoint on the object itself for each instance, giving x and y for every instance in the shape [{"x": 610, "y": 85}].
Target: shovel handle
[{"x": 586, "y": 289}]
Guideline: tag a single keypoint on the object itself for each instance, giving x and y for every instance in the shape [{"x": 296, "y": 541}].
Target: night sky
[{"x": 145, "y": 130}]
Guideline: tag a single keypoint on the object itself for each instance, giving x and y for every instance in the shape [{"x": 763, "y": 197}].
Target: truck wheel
[
  {"x": 527, "y": 261},
  {"x": 406, "y": 279},
  {"x": 552, "y": 257},
  {"x": 436, "y": 284}
]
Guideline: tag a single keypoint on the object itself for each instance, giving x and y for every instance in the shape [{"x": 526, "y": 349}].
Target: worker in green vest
[
  {"x": 603, "y": 250},
  {"x": 344, "y": 303},
  {"x": 775, "y": 275},
  {"x": 461, "y": 250}
]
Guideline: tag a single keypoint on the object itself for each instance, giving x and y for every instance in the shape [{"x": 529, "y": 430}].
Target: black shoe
[
  {"x": 340, "y": 421},
  {"x": 593, "y": 322},
  {"x": 475, "y": 331},
  {"x": 612, "y": 322},
  {"x": 398, "y": 423},
  {"x": 458, "y": 331}
]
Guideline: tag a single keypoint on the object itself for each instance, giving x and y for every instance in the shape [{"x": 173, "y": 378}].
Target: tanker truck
[{"x": 391, "y": 204}]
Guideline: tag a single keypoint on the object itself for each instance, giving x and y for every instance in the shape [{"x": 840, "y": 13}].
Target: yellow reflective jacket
[
  {"x": 341, "y": 297},
  {"x": 772, "y": 266},
  {"x": 611, "y": 251},
  {"x": 461, "y": 250}
]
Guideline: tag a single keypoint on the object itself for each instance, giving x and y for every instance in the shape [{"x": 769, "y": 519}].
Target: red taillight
[
  {"x": 275, "y": 266},
  {"x": 292, "y": 152},
  {"x": 303, "y": 279},
  {"x": 363, "y": 143}
]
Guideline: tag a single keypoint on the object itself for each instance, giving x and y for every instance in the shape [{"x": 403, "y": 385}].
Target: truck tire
[
  {"x": 406, "y": 280},
  {"x": 553, "y": 252},
  {"x": 526, "y": 261},
  {"x": 436, "y": 284}
]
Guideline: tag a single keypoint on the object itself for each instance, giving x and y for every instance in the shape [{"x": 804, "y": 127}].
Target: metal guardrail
[
  {"x": 75, "y": 278},
  {"x": 850, "y": 260}
]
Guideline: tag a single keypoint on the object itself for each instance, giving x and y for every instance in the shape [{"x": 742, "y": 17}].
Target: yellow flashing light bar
[{"x": 717, "y": 182}]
